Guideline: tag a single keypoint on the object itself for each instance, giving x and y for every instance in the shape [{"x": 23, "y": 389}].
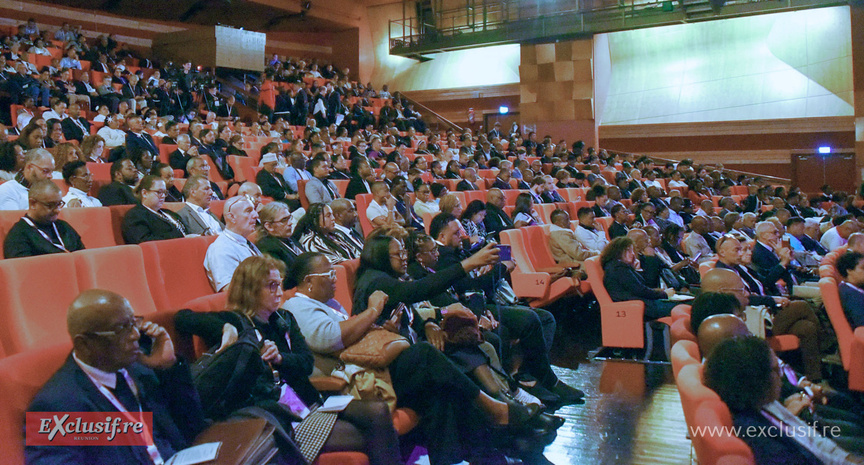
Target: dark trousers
[
  {"x": 535, "y": 330},
  {"x": 366, "y": 426},
  {"x": 798, "y": 318}
]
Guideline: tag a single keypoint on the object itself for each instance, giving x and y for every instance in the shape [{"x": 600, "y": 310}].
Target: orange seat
[
  {"x": 345, "y": 274},
  {"x": 851, "y": 358},
  {"x": 8, "y": 218},
  {"x": 175, "y": 270},
  {"x": 92, "y": 224},
  {"x": 681, "y": 330},
  {"x": 528, "y": 283},
  {"x": 341, "y": 186},
  {"x": 117, "y": 214},
  {"x": 363, "y": 201},
  {"x": 119, "y": 269},
  {"x": 622, "y": 323},
  {"x": 242, "y": 168},
  {"x": 692, "y": 391},
  {"x": 36, "y": 293},
  {"x": 717, "y": 444},
  {"x": 100, "y": 171},
  {"x": 21, "y": 377},
  {"x": 684, "y": 353},
  {"x": 301, "y": 190},
  {"x": 165, "y": 151}
]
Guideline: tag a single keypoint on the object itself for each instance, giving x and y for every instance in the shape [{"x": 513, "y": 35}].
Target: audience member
[
  {"x": 39, "y": 231},
  {"x": 231, "y": 247},
  {"x": 196, "y": 215},
  {"x": 38, "y": 166}
]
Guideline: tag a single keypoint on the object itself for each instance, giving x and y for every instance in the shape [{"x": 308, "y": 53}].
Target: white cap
[{"x": 269, "y": 158}]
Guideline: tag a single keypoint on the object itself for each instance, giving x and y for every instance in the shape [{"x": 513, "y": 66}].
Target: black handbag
[{"x": 234, "y": 378}]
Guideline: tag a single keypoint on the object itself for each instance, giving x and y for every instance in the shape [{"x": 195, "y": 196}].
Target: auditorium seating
[
  {"x": 684, "y": 353},
  {"x": 528, "y": 283},
  {"x": 92, "y": 224},
  {"x": 622, "y": 323},
  {"x": 119, "y": 269},
  {"x": 851, "y": 345},
  {"x": 717, "y": 449},
  {"x": 175, "y": 270},
  {"x": 345, "y": 274}
]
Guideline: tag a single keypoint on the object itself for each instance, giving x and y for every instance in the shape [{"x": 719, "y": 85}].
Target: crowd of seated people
[{"x": 651, "y": 224}]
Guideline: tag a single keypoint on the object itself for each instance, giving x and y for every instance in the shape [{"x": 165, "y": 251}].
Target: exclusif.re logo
[{"x": 89, "y": 429}]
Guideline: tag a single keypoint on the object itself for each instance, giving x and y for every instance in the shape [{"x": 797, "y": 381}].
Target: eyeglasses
[
  {"x": 274, "y": 286},
  {"x": 45, "y": 171},
  {"x": 52, "y": 205},
  {"x": 282, "y": 221},
  {"x": 160, "y": 192},
  {"x": 123, "y": 330},
  {"x": 330, "y": 274}
]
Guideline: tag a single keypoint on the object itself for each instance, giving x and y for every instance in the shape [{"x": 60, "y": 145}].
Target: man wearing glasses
[
  {"x": 79, "y": 179},
  {"x": 108, "y": 371},
  {"x": 39, "y": 232},
  {"x": 38, "y": 166}
]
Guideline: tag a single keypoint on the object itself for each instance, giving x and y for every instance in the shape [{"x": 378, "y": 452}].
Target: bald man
[
  {"x": 232, "y": 246},
  {"x": 251, "y": 191},
  {"x": 695, "y": 244},
  {"x": 39, "y": 232},
  {"x": 789, "y": 317},
  {"x": 772, "y": 262},
  {"x": 108, "y": 372},
  {"x": 716, "y": 329},
  {"x": 38, "y": 166},
  {"x": 496, "y": 220},
  {"x": 345, "y": 218},
  {"x": 835, "y": 237}
]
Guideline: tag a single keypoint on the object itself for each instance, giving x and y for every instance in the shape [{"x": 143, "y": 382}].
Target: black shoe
[
  {"x": 547, "y": 422},
  {"x": 567, "y": 394}
]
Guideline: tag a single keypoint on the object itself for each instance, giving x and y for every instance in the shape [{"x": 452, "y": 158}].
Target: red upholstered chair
[
  {"x": 684, "y": 353},
  {"x": 681, "y": 331},
  {"x": 851, "y": 344},
  {"x": 342, "y": 458},
  {"x": 21, "y": 377},
  {"x": 8, "y": 218},
  {"x": 622, "y": 323},
  {"x": 341, "y": 186},
  {"x": 692, "y": 391},
  {"x": 175, "y": 270},
  {"x": 346, "y": 272},
  {"x": 119, "y": 269},
  {"x": 301, "y": 189},
  {"x": 165, "y": 151},
  {"x": 117, "y": 214},
  {"x": 541, "y": 255},
  {"x": 92, "y": 224},
  {"x": 720, "y": 446},
  {"x": 36, "y": 291},
  {"x": 528, "y": 283},
  {"x": 363, "y": 201}
]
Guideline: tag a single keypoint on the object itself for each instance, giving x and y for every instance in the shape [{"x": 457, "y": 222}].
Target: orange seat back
[
  {"x": 117, "y": 214},
  {"x": 713, "y": 439},
  {"x": 519, "y": 253},
  {"x": 175, "y": 270},
  {"x": 301, "y": 189},
  {"x": 21, "y": 378},
  {"x": 92, "y": 224},
  {"x": 341, "y": 186},
  {"x": 539, "y": 252},
  {"x": 684, "y": 353},
  {"x": 681, "y": 331},
  {"x": 118, "y": 269},
  {"x": 692, "y": 391},
  {"x": 363, "y": 201},
  {"x": 165, "y": 151},
  {"x": 595, "y": 274},
  {"x": 100, "y": 171},
  {"x": 346, "y": 275},
  {"x": 36, "y": 293},
  {"x": 831, "y": 298}
]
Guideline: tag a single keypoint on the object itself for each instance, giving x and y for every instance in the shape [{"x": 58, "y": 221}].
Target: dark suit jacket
[
  {"x": 116, "y": 193},
  {"x": 522, "y": 185},
  {"x": 500, "y": 184},
  {"x": 142, "y": 225},
  {"x": 552, "y": 197},
  {"x": 22, "y": 240},
  {"x": 464, "y": 185},
  {"x": 767, "y": 450},
  {"x": 750, "y": 203},
  {"x": 769, "y": 269},
  {"x": 852, "y": 299},
  {"x": 169, "y": 394},
  {"x": 599, "y": 211},
  {"x": 813, "y": 246},
  {"x": 144, "y": 140},
  {"x": 272, "y": 185},
  {"x": 178, "y": 160},
  {"x": 279, "y": 249},
  {"x": 617, "y": 229},
  {"x": 496, "y": 220},
  {"x": 217, "y": 191},
  {"x": 750, "y": 281},
  {"x": 623, "y": 282},
  {"x": 355, "y": 186},
  {"x": 72, "y": 131}
]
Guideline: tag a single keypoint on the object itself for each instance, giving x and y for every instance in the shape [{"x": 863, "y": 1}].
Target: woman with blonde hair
[
  {"x": 254, "y": 297},
  {"x": 92, "y": 148}
]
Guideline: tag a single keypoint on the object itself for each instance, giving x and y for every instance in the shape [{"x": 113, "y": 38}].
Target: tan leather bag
[{"x": 377, "y": 349}]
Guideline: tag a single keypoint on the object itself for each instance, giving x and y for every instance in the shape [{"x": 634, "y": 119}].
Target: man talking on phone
[{"x": 533, "y": 328}]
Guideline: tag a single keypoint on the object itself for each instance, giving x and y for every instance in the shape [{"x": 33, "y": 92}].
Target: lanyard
[
  {"x": 60, "y": 246},
  {"x": 152, "y": 450}
]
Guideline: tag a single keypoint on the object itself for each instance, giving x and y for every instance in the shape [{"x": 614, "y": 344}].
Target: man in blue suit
[{"x": 108, "y": 372}]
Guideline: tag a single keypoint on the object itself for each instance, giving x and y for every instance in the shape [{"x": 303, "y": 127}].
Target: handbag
[
  {"x": 462, "y": 328},
  {"x": 377, "y": 349}
]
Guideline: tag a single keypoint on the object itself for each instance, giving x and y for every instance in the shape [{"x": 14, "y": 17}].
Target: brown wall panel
[{"x": 742, "y": 142}]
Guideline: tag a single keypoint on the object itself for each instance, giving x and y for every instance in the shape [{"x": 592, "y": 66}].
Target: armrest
[
  {"x": 532, "y": 285},
  {"x": 327, "y": 383},
  {"x": 627, "y": 309},
  {"x": 856, "y": 364},
  {"x": 680, "y": 311}
]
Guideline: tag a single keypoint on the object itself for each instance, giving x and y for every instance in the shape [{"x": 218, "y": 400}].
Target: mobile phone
[{"x": 504, "y": 252}]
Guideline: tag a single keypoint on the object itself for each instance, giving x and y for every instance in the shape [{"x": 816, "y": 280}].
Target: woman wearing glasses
[
  {"x": 148, "y": 221},
  {"x": 274, "y": 237},
  {"x": 453, "y": 410},
  {"x": 254, "y": 296},
  {"x": 624, "y": 280}
]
